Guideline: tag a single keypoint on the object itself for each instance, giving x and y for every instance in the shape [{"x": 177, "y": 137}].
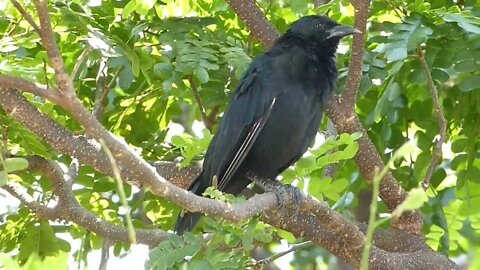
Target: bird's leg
[{"x": 286, "y": 194}]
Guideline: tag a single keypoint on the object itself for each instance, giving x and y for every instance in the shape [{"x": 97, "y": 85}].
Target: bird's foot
[{"x": 287, "y": 195}]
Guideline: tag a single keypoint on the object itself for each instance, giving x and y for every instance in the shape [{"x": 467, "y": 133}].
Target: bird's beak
[{"x": 341, "y": 31}]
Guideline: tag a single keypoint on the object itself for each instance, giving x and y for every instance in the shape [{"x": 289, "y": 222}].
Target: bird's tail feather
[{"x": 187, "y": 220}]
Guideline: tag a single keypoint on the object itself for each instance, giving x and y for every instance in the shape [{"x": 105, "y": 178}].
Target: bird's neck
[{"x": 319, "y": 62}]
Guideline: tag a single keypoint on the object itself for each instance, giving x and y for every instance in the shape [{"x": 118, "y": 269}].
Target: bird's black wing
[{"x": 244, "y": 119}]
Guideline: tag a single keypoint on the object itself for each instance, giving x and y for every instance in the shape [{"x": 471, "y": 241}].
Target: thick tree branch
[
  {"x": 308, "y": 227},
  {"x": 333, "y": 221},
  {"x": 68, "y": 209},
  {"x": 87, "y": 220},
  {"x": 442, "y": 122},
  {"x": 341, "y": 111},
  {"x": 354, "y": 77},
  {"x": 368, "y": 161},
  {"x": 346, "y": 230},
  {"x": 179, "y": 177},
  {"x": 11, "y": 82},
  {"x": 396, "y": 241},
  {"x": 88, "y": 152}
]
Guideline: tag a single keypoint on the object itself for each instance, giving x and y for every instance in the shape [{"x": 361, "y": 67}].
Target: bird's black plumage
[{"x": 275, "y": 111}]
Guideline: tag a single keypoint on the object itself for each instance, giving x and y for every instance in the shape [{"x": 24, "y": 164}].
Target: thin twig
[
  {"x": 64, "y": 82},
  {"x": 121, "y": 192},
  {"x": 331, "y": 131},
  {"x": 114, "y": 78},
  {"x": 80, "y": 61},
  {"x": 319, "y": 3},
  {"x": 26, "y": 15},
  {"x": 102, "y": 91},
  {"x": 372, "y": 224},
  {"x": 371, "y": 219},
  {"x": 295, "y": 247},
  {"x": 206, "y": 119},
  {"x": 442, "y": 122},
  {"x": 72, "y": 172}
]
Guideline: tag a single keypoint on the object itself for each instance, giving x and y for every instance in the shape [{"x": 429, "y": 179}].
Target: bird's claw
[{"x": 288, "y": 195}]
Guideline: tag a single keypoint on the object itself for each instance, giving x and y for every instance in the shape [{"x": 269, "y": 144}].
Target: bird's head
[{"x": 320, "y": 29}]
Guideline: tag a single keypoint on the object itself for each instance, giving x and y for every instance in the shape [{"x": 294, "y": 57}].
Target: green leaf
[
  {"x": 144, "y": 6},
  {"x": 172, "y": 251},
  {"x": 202, "y": 75},
  {"x": 466, "y": 21},
  {"x": 3, "y": 178},
  {"x": 178, "y": 141},
  {"x": 460, "y": 144},
  {"x": 415, "y": 199},
  {"x": 385, "y": 103},
  {"x": 470, "y": 84},
  {"x": 130, "y": 54},
  {"x": 163, "y": 70},
  {"x": 396, "y": 54},
  {"x": 129, "y": 8},
  {"x": 333, "y": 190},
  {"x": 405, "y": 37},
  {"x": 299, "y": 6},
  {"x": 15, "y": 164},
  {"x": 286, "y": 235},
  {"x": 39, "y": 240}
]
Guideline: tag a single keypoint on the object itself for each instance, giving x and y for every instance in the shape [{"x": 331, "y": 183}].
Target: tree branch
[
  {"x": 26, "y": 15},
  {"x": 293, "y": 248},
  {"x": 442, "y": 122},
  {"x": 89, "y": 153},
  {"x": 88, "y": 220},
  {"x": 11, "y": 82},
  {"x": 64, "y": 82},
  {"x": 341, "y": 110},
  {"x": 354, "y": 76},
  {"x": 306, "y": 226},
  {"x": 68, "y": 209},
  {"x": 253, "y": 17},
  {"x": 368, "y": 161},
  {"x": 206, "y": 119}
]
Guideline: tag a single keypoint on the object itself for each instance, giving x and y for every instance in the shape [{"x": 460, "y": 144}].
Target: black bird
[{"x": 275, "y": 112}]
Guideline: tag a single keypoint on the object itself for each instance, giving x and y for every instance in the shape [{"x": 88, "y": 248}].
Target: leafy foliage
[{"x": 153, "y": 57}]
